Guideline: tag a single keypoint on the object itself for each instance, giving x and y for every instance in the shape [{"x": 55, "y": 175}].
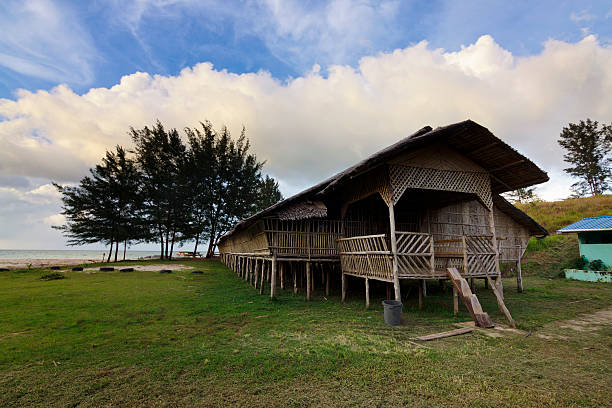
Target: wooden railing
[
  {"x": 415, "y": 254},
  {"x": 470, "y": 254},
  {"x": 369, "y": 256},
  {"x": 366, "y": 256}
]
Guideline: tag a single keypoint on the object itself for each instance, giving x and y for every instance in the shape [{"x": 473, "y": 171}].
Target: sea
[{"x": 70, "y": 254}]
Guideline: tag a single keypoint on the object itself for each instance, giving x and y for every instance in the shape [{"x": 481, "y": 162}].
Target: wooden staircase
[{"x": 470, "y": 300}]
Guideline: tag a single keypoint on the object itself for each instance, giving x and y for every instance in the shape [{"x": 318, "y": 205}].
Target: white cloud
[
  {"x": 55, "y": 220},
  {"x": 41, "y": 39},
  {"x": 311, "y": 126},
  {"x": 582, "y": 15}
]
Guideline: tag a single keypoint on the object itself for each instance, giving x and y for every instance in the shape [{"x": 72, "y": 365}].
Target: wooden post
[
  {"x": 455, "y": 301},
  {"x": 424, "y": 283},
  {"x": 262, "y": 277},
  {"x": 327, "y": 276},
  {"x": 519, "y": 277},
  {"x": 499, "y": 284},
  {"x": 308, "y": 279},
  {"x": 486, "y": 281},
  {"x": 343, "y": 287},
  {"x": 273, "y": 277},
  {"x": 388, "y": 285},
  {"x": 367, "y": 290},
  {"x": 396, "y": 285},
  {"x": 420, "y": 295},
  {"x": 281, "y": 269},
  {"x": 256, "y": 273},
  {"x": 472, "y": 285},
  {"x": 295, "y": 285}
]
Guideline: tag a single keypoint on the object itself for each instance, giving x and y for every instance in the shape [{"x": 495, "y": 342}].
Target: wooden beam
[
  {"x": 327, "y": 277},
  {"x": 442, "y": 335},
  {"x": 343, "y": 287}
]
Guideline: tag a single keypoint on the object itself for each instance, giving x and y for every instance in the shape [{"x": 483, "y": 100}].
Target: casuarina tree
[{"x": 588, "y": 151}]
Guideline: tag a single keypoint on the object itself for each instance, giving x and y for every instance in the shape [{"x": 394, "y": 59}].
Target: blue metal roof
[{"x": 603, "y": 223}]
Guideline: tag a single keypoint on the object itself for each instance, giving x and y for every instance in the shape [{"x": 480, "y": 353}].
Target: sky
[{"x": 318, "y": 85}]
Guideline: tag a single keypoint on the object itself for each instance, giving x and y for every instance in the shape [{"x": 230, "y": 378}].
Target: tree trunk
[
  {"x": 195, "y": 248},
  {"x": 116, "y": 249},
  {"x": 124, "y": 248},
  {"x": 110, "y": 251},
  {"x": 172, "y": 246},
  {"x": 161, "y": 240},
  {"x": 167, "y": 241},
  {"x": 211, "y": 242}
]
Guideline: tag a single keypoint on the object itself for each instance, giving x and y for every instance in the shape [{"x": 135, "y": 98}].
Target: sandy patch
[{"x": 42, "y": 263}]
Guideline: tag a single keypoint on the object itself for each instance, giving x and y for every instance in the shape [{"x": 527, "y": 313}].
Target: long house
[{"x": 426, "y": 203}]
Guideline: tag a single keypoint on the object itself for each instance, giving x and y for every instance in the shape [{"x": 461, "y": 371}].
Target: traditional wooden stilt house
[{"x": 429, "y": 202}]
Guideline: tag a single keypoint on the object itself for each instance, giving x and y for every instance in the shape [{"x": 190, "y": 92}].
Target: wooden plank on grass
[{"x": 450, "y": 333}]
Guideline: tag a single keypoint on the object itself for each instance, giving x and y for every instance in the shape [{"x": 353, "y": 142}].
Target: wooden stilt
[
  {"x": 389, "y": 290},
  {"x": 367, "y": 292},
  {"x": 256, "y": 273},
  {"x": 396, "y": 285},
  {"x": 486, "y": 283},
  {"x": 308, "y": 279},
  {"x": 424, "y": 284},
  {"x": 472, "y": 285},
  {"x": 281, "y": 269},
  {"x": 273, "y": 274},
  {"x": 295, "y": 285},
  {"x": 420, "y": 296},
  {"x": 519, "y": 277},
  {"x": 262, "y": 277},
  {"x": 455, "y": 301},
  {"x": 344, "y": 287},
  {"x": 327, "y": 276}
]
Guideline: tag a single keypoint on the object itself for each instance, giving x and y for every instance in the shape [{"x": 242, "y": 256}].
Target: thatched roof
[
  {"x": 519, "y": 216},
  {"x": 508, "y": 168}
]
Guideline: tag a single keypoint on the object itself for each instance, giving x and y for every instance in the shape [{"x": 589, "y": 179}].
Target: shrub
[
  {"x": 578, "y": 263},
  {"x": 597, "y": 265}
]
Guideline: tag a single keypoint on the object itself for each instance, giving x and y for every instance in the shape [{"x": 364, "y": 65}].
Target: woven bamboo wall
[{"x": 252, "y": 240}]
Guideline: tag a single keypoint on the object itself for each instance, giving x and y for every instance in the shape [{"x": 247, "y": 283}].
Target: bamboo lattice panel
[
  {"x": 403, "y": 177},
  {"x": 480, "y": 254},
  {"x": 367, "y": 256},
  {"x": 415, "y": 255}
]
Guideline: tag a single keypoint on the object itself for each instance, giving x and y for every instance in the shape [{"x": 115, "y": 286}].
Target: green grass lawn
[{"x": 151, "y": 339}]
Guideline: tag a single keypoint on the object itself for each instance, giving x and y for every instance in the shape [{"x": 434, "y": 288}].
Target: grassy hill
[
  {"x": 548, "y": 257},
  {"x": 553, "y": 215}
]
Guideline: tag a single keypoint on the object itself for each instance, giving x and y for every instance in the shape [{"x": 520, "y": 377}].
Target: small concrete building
[{"x": 594, "y": 237}]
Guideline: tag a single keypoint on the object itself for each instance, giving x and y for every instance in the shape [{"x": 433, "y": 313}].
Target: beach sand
[{"x": 41, "y": 263}]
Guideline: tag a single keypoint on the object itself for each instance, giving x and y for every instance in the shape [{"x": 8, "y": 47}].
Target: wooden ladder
[{"x": 470, "y": 300}]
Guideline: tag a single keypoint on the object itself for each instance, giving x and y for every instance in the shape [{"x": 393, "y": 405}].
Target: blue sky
[
  {"x": 318, "y": 85},
  {"x": 117, "y": 38}
]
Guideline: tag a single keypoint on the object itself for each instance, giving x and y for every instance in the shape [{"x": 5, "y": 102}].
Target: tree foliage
[
  {"x": 106, "y": 205},
  {"x": 522, "y": 195},
  {"x": 588, "y": 148},
  {"x": 169, "y": 192}
]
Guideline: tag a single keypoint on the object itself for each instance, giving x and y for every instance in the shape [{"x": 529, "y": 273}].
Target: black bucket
[{"x": 393, "y": 312}]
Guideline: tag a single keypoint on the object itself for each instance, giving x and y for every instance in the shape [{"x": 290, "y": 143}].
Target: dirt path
[{"x": 585, "y": 324}]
